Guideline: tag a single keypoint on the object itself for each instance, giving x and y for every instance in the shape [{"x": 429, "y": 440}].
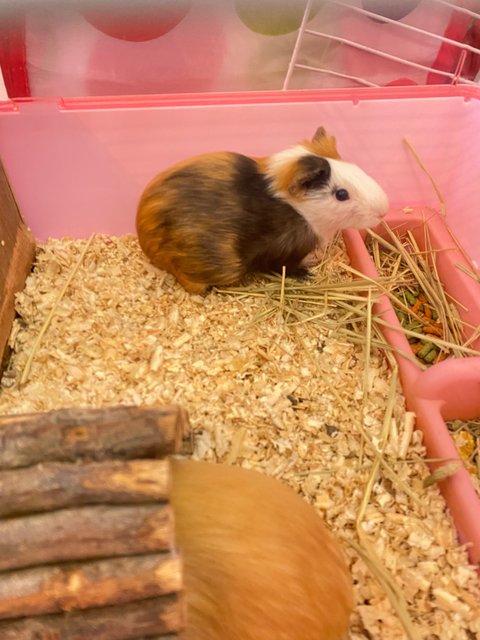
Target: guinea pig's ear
[
  {"x": 325, "y": 144},
  {"x": 312, "y": 174},
  {"x": 319, "y": 134}
]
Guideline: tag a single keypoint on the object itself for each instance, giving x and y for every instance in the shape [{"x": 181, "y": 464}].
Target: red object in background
[
  {"x": 138, "y": 23},
  {"x": 401, "y": 82},
  {"x": 472, "y": 62},
  {"x": 13, "y": 60},
  {"x": 449, "y": 54}
]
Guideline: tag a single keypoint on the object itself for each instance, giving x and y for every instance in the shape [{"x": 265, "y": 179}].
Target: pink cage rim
[{"x": 354, "y": 95}]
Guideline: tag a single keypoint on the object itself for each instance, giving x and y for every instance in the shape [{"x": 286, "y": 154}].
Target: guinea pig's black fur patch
[
  {"x": 273, "y": 234},
  {"x": 315, "y": 172}
]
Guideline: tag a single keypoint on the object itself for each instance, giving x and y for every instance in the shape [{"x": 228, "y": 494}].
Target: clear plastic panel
[{"x": 118, "y": 47}]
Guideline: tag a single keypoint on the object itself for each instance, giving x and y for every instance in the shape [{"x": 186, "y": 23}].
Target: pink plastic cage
[{"x": 78, "y": 163}]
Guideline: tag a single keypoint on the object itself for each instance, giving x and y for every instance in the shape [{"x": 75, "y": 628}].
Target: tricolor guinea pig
[
  {"x": 211, "y": 219},
  {"x": 259, "y": 563}
]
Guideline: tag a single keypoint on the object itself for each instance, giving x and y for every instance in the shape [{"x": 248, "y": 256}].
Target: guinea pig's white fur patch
[
  {"x": 280, "y": 160},
  {"x": 366, "y": 206}
]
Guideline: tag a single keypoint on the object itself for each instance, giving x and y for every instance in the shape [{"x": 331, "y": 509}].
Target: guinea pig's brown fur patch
[
  {"x": 259, "y": 563},
  {"x": 323, "y": 144},
  {"x": 285, "y": 177},
  {"x": 175, "y": 247}
]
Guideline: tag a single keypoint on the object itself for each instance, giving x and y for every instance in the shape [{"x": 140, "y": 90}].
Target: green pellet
[
  {"x": 431, "y": 355},
  {"x": 410, "y": 298},
  {"x": 427, "y": 347},
  {"x": 414, "y": 326}
]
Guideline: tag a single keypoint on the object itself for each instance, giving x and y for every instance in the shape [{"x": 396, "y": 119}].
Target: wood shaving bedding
[{"x": 260, "y": 395}]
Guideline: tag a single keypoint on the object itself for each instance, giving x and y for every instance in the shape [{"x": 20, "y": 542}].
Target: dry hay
[
  {"x": 272, "y": 381},
  {"x": 428, "y": 314}
]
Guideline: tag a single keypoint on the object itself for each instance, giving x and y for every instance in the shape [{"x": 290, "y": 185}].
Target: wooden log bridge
[
  {"x": 54, "y": 485},
  {"x": 69, "y": 435},
  {"x": 160, "y": 616},
  {"x": 87, "y": 539}
]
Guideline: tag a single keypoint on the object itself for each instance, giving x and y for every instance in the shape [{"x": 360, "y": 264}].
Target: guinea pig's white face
[
  {"x": 364, "y": 204},
  {"x": 340, "y": 196}
]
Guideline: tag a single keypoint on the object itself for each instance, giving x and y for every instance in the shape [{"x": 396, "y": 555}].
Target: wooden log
[
  {"x": 67, "y": 435},
  {"x": 53, "y": 589},
  {"x": 17, "y": 251},
  {"x": 56, "y": 485},
  {"x": 145, "y": 618},
  {"x": 84, "y": 533}
]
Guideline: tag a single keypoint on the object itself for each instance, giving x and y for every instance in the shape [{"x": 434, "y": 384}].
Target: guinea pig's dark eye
[{"x": 342, "y": 194}]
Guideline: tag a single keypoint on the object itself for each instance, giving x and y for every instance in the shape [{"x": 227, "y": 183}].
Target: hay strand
[{"x": 422, "y": 166}]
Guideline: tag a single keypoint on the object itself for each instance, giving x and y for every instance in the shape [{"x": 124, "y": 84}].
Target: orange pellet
[
  {"x": 433, "y": 329},
  {"x": 416, "y": 306},
  {"x": 427, "y": 311},
  {"x": 416, "y": 347}
]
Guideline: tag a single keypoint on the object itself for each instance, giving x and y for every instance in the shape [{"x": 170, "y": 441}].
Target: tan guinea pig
[
  {"x": 259, "y": 563},
  {"x": 212, "y": 219}
]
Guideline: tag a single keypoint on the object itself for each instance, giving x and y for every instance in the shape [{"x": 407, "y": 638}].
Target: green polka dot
[{"x": 273, "y": 17}]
